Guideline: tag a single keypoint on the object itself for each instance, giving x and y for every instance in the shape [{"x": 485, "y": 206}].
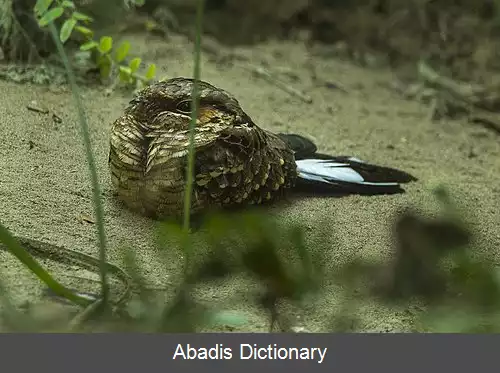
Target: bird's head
[{"x": 167, "y": 106}]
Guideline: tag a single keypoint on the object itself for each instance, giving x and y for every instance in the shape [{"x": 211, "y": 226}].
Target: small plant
[{"x": 107, "y": 58}]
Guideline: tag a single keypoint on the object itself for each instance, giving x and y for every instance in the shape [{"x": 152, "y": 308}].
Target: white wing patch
[{"x": 330, "y": 172}]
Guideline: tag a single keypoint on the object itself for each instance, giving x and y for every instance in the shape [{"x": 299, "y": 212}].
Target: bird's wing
[
  {"x": 226, "y": 167},
  {"x": 301, "y": 146},
  {"x": 244, "y": 164}
]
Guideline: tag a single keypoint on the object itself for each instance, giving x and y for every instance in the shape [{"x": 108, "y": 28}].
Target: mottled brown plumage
[{"x": 236, "y": 162}]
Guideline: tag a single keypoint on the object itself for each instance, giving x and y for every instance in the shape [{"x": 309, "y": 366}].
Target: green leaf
[
  {"x": 105, "y": 70},
  {"x": 151, "y": 72},
  {"x": 42, "y": 6},
  {"x": 135, "y": 64},
  {"x": 127, "y": 70},
  {"x": 105, "y": 44},
  {"x": 104, "y": 62},
  {"x": 89, "y": 45},
  {"x": 122, "y": 51},
  {"x": 125, "y": 74},
  {"x": 81, "y": 17},
  {"x": 68, "y": 4},
  {"x": 67, "y": 29},
  {"x": 84, "y": 31},
  {"x": 103, "y": 58},
  {"x": 51, "y": 16}
]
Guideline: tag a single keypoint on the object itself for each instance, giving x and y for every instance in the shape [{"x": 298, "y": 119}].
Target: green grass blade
[
  {"x": 98, "y": 209},
  {"x": 15, "y": 248},
  {"x": 194, "y": 114}
]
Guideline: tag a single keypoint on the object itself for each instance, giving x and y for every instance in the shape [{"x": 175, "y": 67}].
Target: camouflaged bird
[{"x": 236, "y": 162}]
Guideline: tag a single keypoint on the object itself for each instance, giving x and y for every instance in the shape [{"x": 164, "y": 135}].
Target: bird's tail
[{"x": 341, "y": 174}]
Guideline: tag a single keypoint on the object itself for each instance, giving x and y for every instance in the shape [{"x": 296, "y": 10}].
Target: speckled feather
[{"x": 236, "y": 162}]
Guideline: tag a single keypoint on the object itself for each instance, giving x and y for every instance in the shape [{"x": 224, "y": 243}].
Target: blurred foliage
[
  {"x": 434, "y": 263},
  {"x": 246, "y": 243},
  {"x": 106, "y": 58},
  {"x": 431, "y": 264}
]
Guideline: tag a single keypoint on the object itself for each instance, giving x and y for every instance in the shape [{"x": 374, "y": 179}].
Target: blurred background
[{"x": 460, "y": 36}]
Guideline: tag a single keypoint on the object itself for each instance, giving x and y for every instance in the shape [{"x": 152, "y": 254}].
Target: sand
[{"x": 45, "y": 193}]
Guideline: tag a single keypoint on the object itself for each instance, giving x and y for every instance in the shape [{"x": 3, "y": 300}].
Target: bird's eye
[{"x": 184, "y": 107}]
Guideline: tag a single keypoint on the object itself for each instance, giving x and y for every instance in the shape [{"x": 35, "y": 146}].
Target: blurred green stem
[{"x": 191, "y": 152}]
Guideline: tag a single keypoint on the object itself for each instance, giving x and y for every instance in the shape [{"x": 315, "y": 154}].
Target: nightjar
[{"x": 236, "y": 161}]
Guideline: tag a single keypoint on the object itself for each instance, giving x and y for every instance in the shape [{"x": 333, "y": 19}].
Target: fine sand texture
[{"x": 45, "y": 192}]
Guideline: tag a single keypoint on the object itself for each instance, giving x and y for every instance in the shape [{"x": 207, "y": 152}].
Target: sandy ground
[{"x": 45, "y": 194}]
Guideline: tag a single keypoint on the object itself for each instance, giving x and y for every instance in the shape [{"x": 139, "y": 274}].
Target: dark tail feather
[
  {"x": 370, "y": 172},
  {"x": 349, "y": 175},
  {"x": 342, "y": 174}
]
